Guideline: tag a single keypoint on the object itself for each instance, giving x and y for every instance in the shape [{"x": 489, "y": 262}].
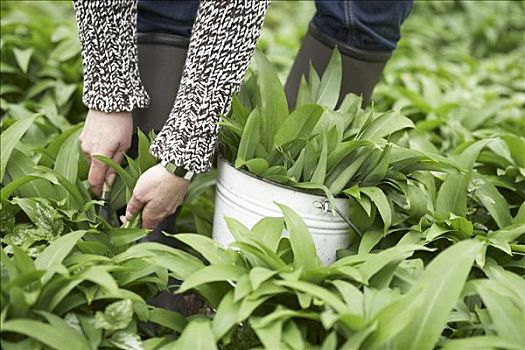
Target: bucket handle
[{"x": 325, "y": 207}]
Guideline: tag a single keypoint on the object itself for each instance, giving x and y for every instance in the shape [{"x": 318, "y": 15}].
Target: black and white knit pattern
[
  {"x": 109, "y": 52},
  {"x": 223, "y": 40}
]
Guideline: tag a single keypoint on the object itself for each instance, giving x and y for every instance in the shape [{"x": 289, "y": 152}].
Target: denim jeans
[{"x": 368, "y": 25}]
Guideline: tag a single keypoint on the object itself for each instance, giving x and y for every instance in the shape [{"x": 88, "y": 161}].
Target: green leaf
[
  {"x": 12, "y": 186},
  {"x": 338, "y": 181},
  {"x": 226, "y": 315},
  {"x": 56, "y": 143},
  {"x": 434, "y": 231},
  {"x": 65, "y": 50},
  {"x": 63, "y": 92},
  {"x": 122, "y": 236},
  {"x": 256, "y": 166},
  {"x": 65, "y": 326},
  {"x": 468, "y": 157},
  {"x": 330, "y": 85},
  {"x": 212, "y": 273},
  {"x": 124, "y": 339},
  {"x": 331, "y": 120},
  {"x": 392, "y": 319},
  {"x": 355, "y": 340},
  {"x": 268, "y": 230},
  {"x": 67, "y": 158},
  {"x": 117, "y": 315},
  {"x": 374, "y": 173},
  {"x": 270, "y": 335},
  {"x": 42, "y": 214},
  {"x": 198, "y": 335},
  {"x": 417, "y": 200},
  {"x": 44, "y": 333},
  {"x": 342, "y": 150},
  {"x": 305, "y": 254},
  {"x": 316, "y": 291},
  {"x": 251, "y": 136},
  {"x": 52, "y": 176},
  {"x": 516, "y": 146},
  {"x": 319, "y": 174},
  {"x": 271, "y": 100},
  {"x": 386, "y": 124},
  {"x": 375, "y": 262},
  {"x": 330, "y": 342},
  {"x": 57, "y": 251},
  {"x": 126, "y": 177},
  {"x": 351, "y": 295},
  {"x": 243, "y": 287},
  {"x": 296, "y": 170},
  {"x": 494, "y": 202},
  {"x": 310, "y": 161},
  {"x": 507, "y": 316},
  {"x": 452, "y": 195},
  {"x": 304, "y": 95},
  {"x": 378, "y": 197},
  {"x": 292, "y": 336},
  {"x": 100, "y": 276},
  {"x": 520, "y": 215},
  {"x": 258, "y": 275},
  {"x": 440, "y": 287},
  {"x": 299, "y": 124},
  {"x": 168, "y": 319},
  {"x": 93, "y": 335},
  {"x": 23, "y": 57},
  {"x": 145, "y": 159},
  {"x": 10, "y": 138},
  {"x": 313, "y": 80},
  {"x": 20, "y": 165},
  {"x": 509, "y": 233},
  {"x": 263, "y": 255},
  {"x": 486, "y": 342},
  {"x": 215, "y": 253},
  {"x": 281, "y": 313}
]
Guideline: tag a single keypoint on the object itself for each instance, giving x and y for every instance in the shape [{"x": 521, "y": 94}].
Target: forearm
[
  {"x": 109, "y": 52},
  {"x": 223, "y": 40}
]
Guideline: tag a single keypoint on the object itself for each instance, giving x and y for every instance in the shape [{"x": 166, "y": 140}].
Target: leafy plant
[{"x": 439, "y": 201}]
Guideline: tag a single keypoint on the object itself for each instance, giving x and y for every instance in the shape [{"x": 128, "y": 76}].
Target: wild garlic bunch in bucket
[
  {"x": 314, "y": 144},
  {"x": 330, "y": 151}
]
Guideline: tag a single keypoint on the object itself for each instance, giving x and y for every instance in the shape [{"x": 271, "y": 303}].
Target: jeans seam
[{"x": 349, "y": 19}]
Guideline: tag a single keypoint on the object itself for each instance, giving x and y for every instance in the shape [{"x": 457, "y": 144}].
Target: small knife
[{"x": 105, "y": 209}]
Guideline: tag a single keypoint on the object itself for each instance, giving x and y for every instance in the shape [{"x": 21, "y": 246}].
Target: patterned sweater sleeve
[
  {"x": 109, "y": 54},
  {"x": 223, "y": 40}
]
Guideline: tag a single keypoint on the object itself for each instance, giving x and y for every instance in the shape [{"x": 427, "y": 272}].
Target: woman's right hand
[{"x": 106, "y": 134}]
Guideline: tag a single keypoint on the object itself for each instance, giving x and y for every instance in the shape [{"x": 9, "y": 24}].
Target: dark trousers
[{"x": 365, "y": 25}]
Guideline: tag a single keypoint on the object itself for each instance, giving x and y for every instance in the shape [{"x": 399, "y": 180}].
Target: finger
[
  {"x": 110, "y": 174},
  {"x": 134, "y": 206},
  {"x": 123, "y": 219},
  {"x": 85, "y": 151},
  {"x": 97, "y": 175},
  {"x": 150, "y": 216}
]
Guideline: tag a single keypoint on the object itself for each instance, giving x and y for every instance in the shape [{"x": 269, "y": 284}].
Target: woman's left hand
[{"x": 158, "y": 193}]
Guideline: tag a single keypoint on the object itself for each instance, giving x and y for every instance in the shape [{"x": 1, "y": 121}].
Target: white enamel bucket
[{"x": 248, "y": 199}]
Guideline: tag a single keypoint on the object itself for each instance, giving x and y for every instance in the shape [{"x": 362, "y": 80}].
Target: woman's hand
[
  {"x": 106, "y": 134},
  {"x": 158, "y": 193}
]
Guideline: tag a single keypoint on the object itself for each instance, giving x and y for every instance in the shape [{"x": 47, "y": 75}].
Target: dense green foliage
[{"x": 438, "y": 195}]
